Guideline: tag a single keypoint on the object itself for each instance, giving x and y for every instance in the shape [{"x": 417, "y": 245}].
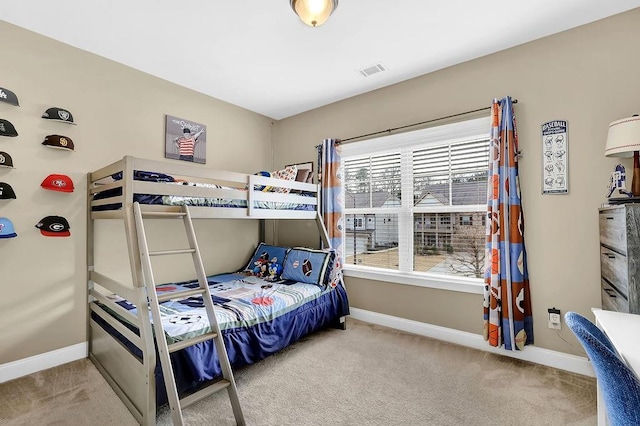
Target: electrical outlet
[{"x": 555, "y": 321}]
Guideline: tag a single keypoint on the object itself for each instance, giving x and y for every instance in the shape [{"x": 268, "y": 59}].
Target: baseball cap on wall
[
  {"x": 7, "y": 129},
  {"x": 6, "y": 228},
  {"x": 54, "y": 226},
  {"x": 8, "y": 96},
  {"x": 55, "y": 182},
  {"x": 6, "y": 191},
  {"x": 58, "y": 142},
  {"x": 58, "y": 114},
  {"x": 5, "y": 160}
]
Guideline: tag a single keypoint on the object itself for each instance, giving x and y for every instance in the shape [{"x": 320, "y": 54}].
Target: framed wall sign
[{"x": 555, "y": 157}]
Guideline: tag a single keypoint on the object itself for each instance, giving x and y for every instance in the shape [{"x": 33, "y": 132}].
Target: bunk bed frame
[{"x": 131, "y": 378}]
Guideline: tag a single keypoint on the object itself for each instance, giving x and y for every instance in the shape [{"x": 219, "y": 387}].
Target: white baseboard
[
  {"x": 26, "y": 366},
  {"x": 567, "y": 362},
  {"x": 555, "y": 359}
]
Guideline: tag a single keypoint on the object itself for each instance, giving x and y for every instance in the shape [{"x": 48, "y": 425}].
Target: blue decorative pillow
[
  {"x": 262, "y": 188},
  {"x": 306, "y": 266},
  {"x": 267, "y": 261}
]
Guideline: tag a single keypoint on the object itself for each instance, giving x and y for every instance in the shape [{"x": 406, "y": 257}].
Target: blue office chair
[
  {"x": 620, "y": 387},
  {"x": 591, "y": 328}
]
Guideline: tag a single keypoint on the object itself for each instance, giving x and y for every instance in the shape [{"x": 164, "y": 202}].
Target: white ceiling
[{"x": 258, "y": 55}]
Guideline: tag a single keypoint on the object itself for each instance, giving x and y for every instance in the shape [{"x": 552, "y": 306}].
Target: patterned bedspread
[
  {"x": 178, "y": 200},
  {"x": 239, "y": 301}
]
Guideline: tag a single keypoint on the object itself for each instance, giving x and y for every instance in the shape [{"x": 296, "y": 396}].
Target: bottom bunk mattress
[{"x": 257, "y": 318}]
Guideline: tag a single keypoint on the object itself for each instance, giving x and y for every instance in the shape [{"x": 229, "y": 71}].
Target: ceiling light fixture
[{"x": 314, "y": 12}]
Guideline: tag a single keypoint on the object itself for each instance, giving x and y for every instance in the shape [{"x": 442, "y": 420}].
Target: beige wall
[
  {"x": 587, "y": 76},
  {"x": 118, "y": 111}
]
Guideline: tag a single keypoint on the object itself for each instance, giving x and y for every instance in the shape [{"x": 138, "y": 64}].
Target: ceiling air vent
[{"x": 373, "y": 69}]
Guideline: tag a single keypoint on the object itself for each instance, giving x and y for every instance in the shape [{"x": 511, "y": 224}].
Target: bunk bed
[{"x": 120, "y": 333}]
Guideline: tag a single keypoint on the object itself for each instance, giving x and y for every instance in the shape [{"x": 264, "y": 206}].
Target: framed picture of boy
[{"x": 185, "y": 140}]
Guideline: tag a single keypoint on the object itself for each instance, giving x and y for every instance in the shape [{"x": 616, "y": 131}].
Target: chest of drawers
[{"x": 620, "y": 257}]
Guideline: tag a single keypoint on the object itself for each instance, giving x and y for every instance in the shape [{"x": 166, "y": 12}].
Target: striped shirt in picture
[{"x": 186, "y": 145}]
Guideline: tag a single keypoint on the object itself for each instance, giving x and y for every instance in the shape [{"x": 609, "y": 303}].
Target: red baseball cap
[{"x": 56, "y": 182}]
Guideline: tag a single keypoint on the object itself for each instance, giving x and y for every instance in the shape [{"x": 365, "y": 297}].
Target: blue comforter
[{"x": 257, "y": 319}]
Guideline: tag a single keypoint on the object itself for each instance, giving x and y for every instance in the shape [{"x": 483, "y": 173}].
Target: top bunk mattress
[{"x": 158, "y": 188}]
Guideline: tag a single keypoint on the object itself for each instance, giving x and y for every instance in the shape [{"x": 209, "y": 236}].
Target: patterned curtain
[
  {"x": 507, "y": 303},
  {"x": 332, "y": 200}
]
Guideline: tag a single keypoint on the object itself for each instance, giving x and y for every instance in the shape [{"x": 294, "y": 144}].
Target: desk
[{"x": 624, "y": 332}]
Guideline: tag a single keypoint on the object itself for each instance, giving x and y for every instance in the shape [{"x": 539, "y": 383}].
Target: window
[
  {"x": 422, "y": 196},
  {"x": 465, "y": 219}
]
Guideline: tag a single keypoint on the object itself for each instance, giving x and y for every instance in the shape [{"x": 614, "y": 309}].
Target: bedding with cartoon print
[{"x": 243, "y": 301}]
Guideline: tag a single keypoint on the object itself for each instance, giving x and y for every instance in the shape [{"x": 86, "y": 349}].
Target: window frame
[{"x": 406, "y": 143}]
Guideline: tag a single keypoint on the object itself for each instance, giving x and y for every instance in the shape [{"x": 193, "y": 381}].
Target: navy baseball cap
[
  {"x": 58, "y": 114},
  {"x": 54, "y": 226},
  {"x": 8, "y": 96},
  {"x": 6, "y": 191},
  {"x": 6, "y": 228},
  {"x": 5, "y": 160},
  {"x": 7, "y": 129}
]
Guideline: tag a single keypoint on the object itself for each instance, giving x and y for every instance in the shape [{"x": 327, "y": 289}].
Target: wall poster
[
  {"x": 185, "y": 140},
  {"x": 555, "y": 157}
]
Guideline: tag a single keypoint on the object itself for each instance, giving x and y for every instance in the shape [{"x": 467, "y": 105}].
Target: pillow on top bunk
[
  {"x": 288, "y": 173},
  {"x": 146, "y": 176},
  {"x": 267, "y": 262},
  {"x": 306, "y": 265},
  {"x": 263, "y": 188}
]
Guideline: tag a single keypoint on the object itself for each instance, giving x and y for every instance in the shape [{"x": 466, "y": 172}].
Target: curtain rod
[{"x": 515, "y": 101}]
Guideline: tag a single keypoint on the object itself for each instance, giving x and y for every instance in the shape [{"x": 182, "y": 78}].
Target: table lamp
[{"x": 623, "y": 140}]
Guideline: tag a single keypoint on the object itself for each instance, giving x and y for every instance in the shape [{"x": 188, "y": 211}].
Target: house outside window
[{"x": 423, "y": 195}]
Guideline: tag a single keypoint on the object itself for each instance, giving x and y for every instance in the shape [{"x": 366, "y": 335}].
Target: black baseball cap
[
  {"x": 8, "y": 96},
  {"x": 58, "y": 142},
  {"x": 6, "y": 191},
  {"x": 5, "y": 160},
  {"x": 54, "y": 226},
  {"x": 7, "y": 129},
  {"x": 58, "y": 114}
]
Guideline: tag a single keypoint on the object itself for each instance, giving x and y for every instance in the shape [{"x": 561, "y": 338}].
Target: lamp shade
[
  {"x": 623, "y": 138},
  {"x": 314, "y": 12}
]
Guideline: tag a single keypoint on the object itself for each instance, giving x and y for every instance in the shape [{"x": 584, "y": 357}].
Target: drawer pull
[
  {"x": 611, "y": 256},
  {"x": 609, "y": 218},
  {"x": 610, "y": 292}
]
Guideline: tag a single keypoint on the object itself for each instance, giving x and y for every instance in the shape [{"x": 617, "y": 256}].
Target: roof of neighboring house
[
  {"x": 462, "y": 193},
  {"x": 378, "y": 199},
  {"x": 432, "y": 198}
]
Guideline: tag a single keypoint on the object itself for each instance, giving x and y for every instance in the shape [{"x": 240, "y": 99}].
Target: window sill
[{"x": 460, "y": 284}]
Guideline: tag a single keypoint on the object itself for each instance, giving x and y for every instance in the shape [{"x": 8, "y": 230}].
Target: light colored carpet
[{"x": 366, "y": 375}]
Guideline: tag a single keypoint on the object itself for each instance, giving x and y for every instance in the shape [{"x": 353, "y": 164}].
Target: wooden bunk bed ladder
[{"x": 227, "y": 382}]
